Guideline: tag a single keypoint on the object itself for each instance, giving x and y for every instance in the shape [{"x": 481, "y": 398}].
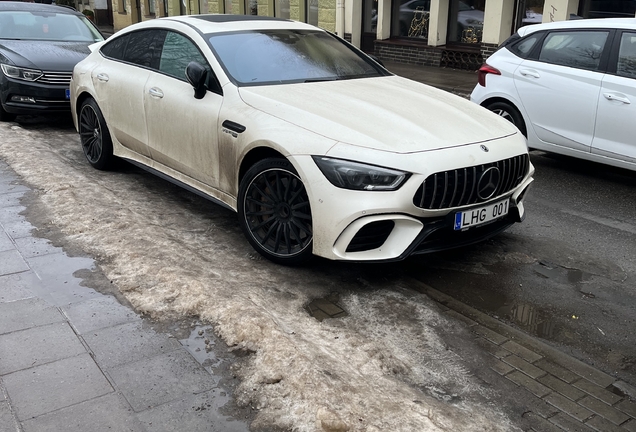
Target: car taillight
[{"x": 485, "y": 70}]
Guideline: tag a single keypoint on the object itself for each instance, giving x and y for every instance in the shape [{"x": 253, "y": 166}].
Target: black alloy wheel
[
  {"x": 510, "y": 113},
  {"x": 94, "y": 135},
  {"x": 274, "y": 212}
]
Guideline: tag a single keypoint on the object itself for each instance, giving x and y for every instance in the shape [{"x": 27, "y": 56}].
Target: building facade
[{"x": 453, "y": 33}]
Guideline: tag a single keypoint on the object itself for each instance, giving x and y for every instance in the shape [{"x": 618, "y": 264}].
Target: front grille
[
  {"x": 56, "y": 78},
  {"x": 456, "y": 188}
]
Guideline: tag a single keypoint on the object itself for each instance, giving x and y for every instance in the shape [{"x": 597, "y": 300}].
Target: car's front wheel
[
  {"x": 95, "y": 136},
  {"x": 274, "y": 212},
  {"x": 510, "y": 113}
]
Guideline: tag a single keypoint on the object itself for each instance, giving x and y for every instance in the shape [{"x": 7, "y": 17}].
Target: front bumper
[
  {"x": 367, "y": 226},
  {"x": 46, "y": 98}
]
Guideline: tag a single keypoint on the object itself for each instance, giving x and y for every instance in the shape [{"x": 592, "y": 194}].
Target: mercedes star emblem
[{"x": 488, "y": 183}]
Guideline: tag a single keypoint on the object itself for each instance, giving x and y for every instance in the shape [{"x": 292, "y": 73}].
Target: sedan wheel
[
  {"x": 274, "y": 212},
  {"x": 510, "y": 113},
  {"x": 94, "y": 135}
]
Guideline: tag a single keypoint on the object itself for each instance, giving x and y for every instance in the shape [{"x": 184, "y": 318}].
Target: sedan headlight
[
  {"x": 20, "y": 73},
  {"x": 358, "y": 176}
]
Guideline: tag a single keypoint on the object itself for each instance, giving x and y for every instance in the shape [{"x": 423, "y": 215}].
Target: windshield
[
  {"x": 283, "y": 56},
  {"x": 47, "y": 26}
]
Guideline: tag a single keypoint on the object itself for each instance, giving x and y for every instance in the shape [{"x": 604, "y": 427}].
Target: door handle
[
  {"x": 102, "y": 77},
  {"x": 615, "y": 97},
  {"x": 530, "y": 73},
  {"x": 154, "y": 91}
]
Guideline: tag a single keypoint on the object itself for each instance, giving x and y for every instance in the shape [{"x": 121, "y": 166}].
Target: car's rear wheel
[
  {"x": 94, "y": 135},
  {"x": 5, "y": 116},
  {"x": 510, "y": 113},
  {"x": 274, "y": 212}
]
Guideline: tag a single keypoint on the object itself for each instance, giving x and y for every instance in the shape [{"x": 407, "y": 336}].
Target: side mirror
[{"x": 197, "y": 76}]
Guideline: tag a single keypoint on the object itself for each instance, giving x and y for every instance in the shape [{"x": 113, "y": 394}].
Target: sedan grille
[
  {"x": 466, "y": 186},
  {"x": 56, "y": 78}
]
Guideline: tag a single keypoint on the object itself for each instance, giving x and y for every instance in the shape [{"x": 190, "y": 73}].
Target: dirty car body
[
  {"x": 39, "y": 46},
  {"x": 318, "y": 148}
]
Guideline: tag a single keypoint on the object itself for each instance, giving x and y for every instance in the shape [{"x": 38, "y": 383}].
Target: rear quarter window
[
  {"x": 115, "y": 48},
  {"x": 524, "y": 47}
]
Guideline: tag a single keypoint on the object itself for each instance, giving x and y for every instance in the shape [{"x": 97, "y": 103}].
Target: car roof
[
  {"x": 621, "y": 23},
  {"x": 221, "y": 23},
  {"x": 35, "y": 7}
]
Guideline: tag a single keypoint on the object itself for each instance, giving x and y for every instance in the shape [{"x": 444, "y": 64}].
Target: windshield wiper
[{"x": 308, "y": 80}]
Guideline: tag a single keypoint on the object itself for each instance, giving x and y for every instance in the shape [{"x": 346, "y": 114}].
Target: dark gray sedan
[{"x": 39, "y": 46}]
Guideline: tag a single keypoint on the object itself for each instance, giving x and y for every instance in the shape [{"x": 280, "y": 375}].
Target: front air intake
[{"x": 371, "y": 236}]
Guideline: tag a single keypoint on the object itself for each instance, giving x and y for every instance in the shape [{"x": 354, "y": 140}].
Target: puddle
[
  {"x": 201, "y": 344},
  {"x": 530, "y": 318},
  {"x": 561, "y": 274},
  {"x": 327, "y": 307}
]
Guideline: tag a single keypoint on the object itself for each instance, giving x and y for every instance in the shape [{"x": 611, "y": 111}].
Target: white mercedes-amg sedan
[{"x": 317, "y": 147}]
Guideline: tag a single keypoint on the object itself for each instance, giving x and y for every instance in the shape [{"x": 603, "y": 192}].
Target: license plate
[
  {"x": 481, "y": 215},
  {"x": 67, "y": 92}
]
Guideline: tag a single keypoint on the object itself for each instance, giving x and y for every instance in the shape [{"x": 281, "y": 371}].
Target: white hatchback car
[
  {"x": 569, "y": 86},
  {"x": 316, "y": 146}
]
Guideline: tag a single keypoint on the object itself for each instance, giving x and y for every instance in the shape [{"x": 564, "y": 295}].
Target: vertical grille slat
[{"x": 442, "y": 189}]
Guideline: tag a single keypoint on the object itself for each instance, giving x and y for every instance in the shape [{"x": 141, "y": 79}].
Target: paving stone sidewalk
[
  {"x": 579, "y": 397},
  {"x": 74, "y": 360}
]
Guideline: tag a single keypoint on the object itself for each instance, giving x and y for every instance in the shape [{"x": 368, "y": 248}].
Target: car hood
[
  {"x": 44, "y": 55},
  {"x": 389, "y": 113}
]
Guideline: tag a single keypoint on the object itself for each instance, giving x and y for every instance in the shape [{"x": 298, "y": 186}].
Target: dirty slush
[{"x": 173, "y": 256}]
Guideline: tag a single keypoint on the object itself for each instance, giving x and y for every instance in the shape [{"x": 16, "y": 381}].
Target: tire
[
  {"x": 5, "y": 116},
  {"x": 510, "y": 113},
  {"x": 95, "y": 136},
  {"x": 274, "y": 212}
]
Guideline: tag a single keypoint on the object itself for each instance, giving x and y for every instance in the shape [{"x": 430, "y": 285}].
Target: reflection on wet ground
[{"x": 327, "y": 307}]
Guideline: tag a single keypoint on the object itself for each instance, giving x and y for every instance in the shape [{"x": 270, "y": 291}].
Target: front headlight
[
  {"x": 358, "y": 176},
  {"x": 20, "y": 73}
]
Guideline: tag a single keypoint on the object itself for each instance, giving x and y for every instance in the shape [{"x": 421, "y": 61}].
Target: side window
[
  {"x": 524, "y": 46},
  {"x": 144, "y": 48},
  {"x": 577, "y": 49},
  {"x": 177, "y": 52},
  {"x": 115, "y": 48},
  {"x": 626, "y": 66}
]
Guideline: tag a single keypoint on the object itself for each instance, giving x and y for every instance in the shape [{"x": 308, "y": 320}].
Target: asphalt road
[{"x": 567, "y": 273}]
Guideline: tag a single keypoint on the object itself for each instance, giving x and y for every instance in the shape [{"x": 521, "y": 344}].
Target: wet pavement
[{"x": 74, "y": 359}]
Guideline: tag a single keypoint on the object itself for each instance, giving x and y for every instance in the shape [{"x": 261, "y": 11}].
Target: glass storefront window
[
  {"x": 281, "y": 8},
  {"x": 251, "y": 7},
  {"x": 311, "y": 8},
  {"x": 369, "y": 16},
  {"x": 533, "y": 13},
  {"x": 228, "y": 6},
  {"x": 410, "y": 18},
  {"x": 466, "y": 21},
  {"x": 607, "y": 8}
]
